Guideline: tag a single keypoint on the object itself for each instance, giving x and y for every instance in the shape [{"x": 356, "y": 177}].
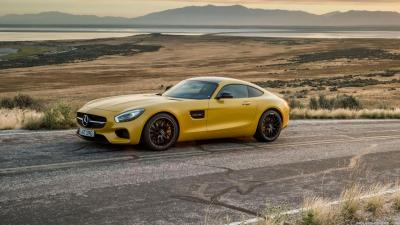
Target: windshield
[{"x": 192, "y": 89}]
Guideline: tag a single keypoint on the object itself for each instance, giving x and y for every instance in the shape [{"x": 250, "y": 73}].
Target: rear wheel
[
  {"x": 160, "y": 132},
  {"x": 269, "y": 126}
]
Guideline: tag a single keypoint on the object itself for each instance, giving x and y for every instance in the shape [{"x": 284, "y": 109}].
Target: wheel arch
[
  {"x": 161, "y": 112},
  {"x": 276, "y": 109},
  {"x": 261, "y": 137}
]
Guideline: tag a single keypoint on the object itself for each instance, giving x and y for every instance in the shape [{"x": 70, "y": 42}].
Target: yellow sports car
[{"x": 194, "y": 109}]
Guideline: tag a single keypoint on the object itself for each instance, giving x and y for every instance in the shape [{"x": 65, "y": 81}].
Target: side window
[
  {"x": 236, "y": 90},
  {"x": 254, "y": 92}
]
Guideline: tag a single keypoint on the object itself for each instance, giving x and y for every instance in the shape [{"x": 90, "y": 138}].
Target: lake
[{"x": 68, "y": 33}]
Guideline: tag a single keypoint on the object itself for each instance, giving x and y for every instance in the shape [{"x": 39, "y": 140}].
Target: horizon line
[{"x": 275, "y": 9}]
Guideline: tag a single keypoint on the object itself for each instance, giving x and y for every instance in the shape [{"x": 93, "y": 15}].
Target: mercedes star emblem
[{"x": 85, "y": 120}]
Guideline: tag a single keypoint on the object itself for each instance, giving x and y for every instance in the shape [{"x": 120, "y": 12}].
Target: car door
[
  {"x": 191, "y": 101},
  {"x": 232, "y": 116}
]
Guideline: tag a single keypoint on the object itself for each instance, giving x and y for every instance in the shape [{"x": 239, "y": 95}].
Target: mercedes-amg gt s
[{"x": 194, "y": 109}]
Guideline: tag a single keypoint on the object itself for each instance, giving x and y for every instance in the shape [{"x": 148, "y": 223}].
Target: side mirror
[
  {"x": 168, "y": 87},
  {"x": 224, "y": 95},
  {"x": 164, "y": 89}
]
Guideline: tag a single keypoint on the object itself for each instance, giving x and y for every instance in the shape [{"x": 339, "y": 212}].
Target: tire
[
  {"x": 160, "y": 132},
  {"x": 269, "y": 126}
]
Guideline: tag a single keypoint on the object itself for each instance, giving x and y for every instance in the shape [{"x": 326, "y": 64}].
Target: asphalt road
[{"x": 57, "y": 178}]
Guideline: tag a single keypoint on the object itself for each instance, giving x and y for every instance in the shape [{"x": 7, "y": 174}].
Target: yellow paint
[{"x": 223, "y": 118}]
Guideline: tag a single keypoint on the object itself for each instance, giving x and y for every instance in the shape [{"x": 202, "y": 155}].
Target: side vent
[{"x": 197, "y": 114}]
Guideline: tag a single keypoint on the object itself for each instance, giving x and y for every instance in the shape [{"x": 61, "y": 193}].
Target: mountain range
[{"x": 210, "y": 15}]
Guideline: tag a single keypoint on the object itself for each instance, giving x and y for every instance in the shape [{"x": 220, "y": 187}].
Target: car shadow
[{"x": 190, "y": 146}]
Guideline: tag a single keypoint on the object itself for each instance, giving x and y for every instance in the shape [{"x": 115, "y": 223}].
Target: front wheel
[
  {"x": 160, "y": 132},
  {"x": 269, "y": 126}
]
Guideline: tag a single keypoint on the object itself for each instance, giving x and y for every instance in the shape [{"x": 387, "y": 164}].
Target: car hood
[{"x": 127, "y": 102}]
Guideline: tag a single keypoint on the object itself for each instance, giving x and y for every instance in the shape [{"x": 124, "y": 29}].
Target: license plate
[{"x": 86, "y": 132}]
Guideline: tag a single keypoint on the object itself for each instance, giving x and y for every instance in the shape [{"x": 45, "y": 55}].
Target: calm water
[{"x": 34, "y": 34}]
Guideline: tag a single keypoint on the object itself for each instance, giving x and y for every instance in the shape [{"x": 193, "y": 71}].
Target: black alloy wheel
[
  {"x": 269, "y": 126},
  {"x": 160, "y": 132}
]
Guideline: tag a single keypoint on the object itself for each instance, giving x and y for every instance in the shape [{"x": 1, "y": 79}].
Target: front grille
[{"x": 93, "y": 121}]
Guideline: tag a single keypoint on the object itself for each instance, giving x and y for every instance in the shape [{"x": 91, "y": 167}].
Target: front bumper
[
  {"x": 97, "y": 138},
  {"x": 111, "y": 131}
]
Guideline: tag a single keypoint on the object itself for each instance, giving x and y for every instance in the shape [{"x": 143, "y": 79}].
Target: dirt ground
[{"x": 247, "y": 58}]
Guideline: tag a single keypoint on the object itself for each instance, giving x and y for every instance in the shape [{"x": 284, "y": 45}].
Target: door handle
[{"x": 246, "y": 103}]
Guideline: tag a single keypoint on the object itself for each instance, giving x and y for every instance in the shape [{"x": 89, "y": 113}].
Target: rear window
[
  {"x": 236, "y": 90},
  {"x": 254, "y": 92}
]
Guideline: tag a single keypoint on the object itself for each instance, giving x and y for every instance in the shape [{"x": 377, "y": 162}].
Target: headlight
[{"x": 129, "y": 115}]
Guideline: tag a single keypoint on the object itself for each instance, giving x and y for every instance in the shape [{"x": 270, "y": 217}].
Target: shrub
[
  {"x": 389, "y": 73},
  {"x": 351, "y": 203},
  {"x": 297, "y": 113},
  {"x": 6, "y": 103},
  {"x": 313, "y": 103},
  {"x": 294, "y": 103},
  {"x": 33, "y": 124},
  {"x": 346, "y": 102},
  {"x": 275, "y": 215},
  {"x": 58, "y": 117},
  {"x": 318, "y": 212},
  {"x": 348, "y": 53},
  {"x": 357, "y": 205},
  {"x": 339, "y": 102},
  {"x": 20, "y": 101},
  {"x": 301, "y": 94},
  {"x": 326, "y": 103},
  {"x": 308, "y": 219},
  {"x": 333, "y": 89},
  {"x": 396, "y": 203},
  {"x": 375, "y": 204},
  {"x": 383, "y": 105}
]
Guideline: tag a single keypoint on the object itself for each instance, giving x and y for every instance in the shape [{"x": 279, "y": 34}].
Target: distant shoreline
[
  {"x": 47, "y": 33},
  {"x": 352, "y": 28}
]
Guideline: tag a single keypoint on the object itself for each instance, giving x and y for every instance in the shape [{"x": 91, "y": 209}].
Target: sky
[{"x": 134, "y": 8}]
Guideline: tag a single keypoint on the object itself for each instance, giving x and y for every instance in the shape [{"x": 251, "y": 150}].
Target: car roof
[
  {"x": 226, "y": 81},
  {"x": 221, "y": 79}
]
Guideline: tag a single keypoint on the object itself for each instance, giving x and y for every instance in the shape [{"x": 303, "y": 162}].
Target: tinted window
[
  {"x": 254, "y": 92},
  {"x": 192, "y": 89},
  {"x": 236, "y": 90}
]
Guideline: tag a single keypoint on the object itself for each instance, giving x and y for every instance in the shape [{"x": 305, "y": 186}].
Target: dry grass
[
  {"x": 350, "y": 203},
  {"x": 276, "y": 216},
  {"x": 319, "y": 212},
  {"x": 396, "y": 202},
  {"x": 375, "y": 204},
  {"x": 59, "y": 116},
  {"x": 345, "y": 114},
  {"x": 356, "y": 204},
  {"x": 250, "y": 59},
  {"x": 18, "y": 118},
  {"x": 396, "y": 198}
]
